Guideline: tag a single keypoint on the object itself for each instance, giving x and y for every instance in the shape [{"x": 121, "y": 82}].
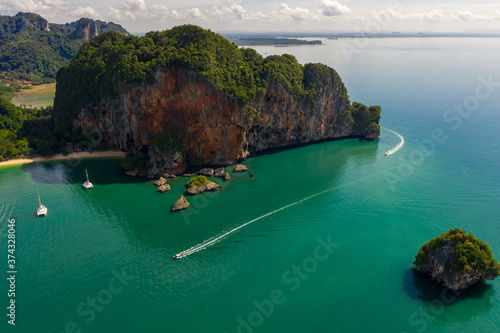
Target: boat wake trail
[
  {"x": 212, "y": 241},
  {"x": 396, "y": 147}
]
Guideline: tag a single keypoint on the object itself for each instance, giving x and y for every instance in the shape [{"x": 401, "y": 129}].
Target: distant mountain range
[{"x": 32, "y": 48}]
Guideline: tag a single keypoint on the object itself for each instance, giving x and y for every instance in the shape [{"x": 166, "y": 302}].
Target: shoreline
[{"x": 82, "y": 154}]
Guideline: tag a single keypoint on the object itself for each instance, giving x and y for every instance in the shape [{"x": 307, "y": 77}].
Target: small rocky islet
[
  {"x": 201, "y": 184},
  {"x": 457, "y": 260},
  {"x": 196, "y": 185},
  {"x": 160, "y": 182},
  {"x": 180, "y": 204},
  {"x": 163, "y": 188}
]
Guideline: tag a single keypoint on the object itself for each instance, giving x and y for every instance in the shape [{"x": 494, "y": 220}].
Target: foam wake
[
  {"x": 212, "y": 241},
  {"x": 398, "y": 146}
]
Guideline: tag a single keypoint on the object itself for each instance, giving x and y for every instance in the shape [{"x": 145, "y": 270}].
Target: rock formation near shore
[
  {"x": 181, "y": 204},
  {"x": 201, "y": 184},
  {"x": 160, "y": 182},
  {"x": 457, "y": 260},
  {"x": 240, "y": 168},
  {"x": 163, "y": 188},
  {"x": 208, "y": 172},
  {"x": 185, "y": 116}
]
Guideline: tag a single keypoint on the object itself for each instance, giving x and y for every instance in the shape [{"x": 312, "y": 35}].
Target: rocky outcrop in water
[
  {"x": 457, "y": 260},
  {"x": 220, "y": 173},
  {"x": 201, "y": 184},
  {"x": 163, "y": 188},
  {"x": 160, "y": 182},
  {"x": 181, "y": 204},
  {"x": 208, "y": 172},
  {"x": 240, "y": 168}
]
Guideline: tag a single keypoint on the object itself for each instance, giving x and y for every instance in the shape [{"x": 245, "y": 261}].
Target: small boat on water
[
  {"x": 88, "y": 185},
  {"x": 179, "y": 255},
  {"x": 42, "y": 210},
  {"x": 386, "y": 153}
]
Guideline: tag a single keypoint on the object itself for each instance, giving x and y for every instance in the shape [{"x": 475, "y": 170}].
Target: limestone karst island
[
  {"x": 189, "y": 97},
  {"x": 457, "y": 260}
]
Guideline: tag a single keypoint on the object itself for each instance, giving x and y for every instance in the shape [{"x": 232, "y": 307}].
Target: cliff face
[
  {"x": 210, "y": 127},
  {"x": 287, "y": 121},
  {"x": 86, "y": 30},
  {"x": 29, "y": 20}
]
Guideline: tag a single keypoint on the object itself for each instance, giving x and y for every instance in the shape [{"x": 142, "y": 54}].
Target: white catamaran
[
  {"x": 88, "y": 185},
  {"x": 42, "y": 210}
]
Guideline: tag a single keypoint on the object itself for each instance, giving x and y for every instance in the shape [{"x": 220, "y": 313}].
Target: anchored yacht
[
  {"x": 88, "y": 185},
  {"x": 42, "y": 210}
]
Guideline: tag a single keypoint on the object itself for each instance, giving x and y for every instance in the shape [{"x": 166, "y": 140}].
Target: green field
[{"x": 37, "y": 96}]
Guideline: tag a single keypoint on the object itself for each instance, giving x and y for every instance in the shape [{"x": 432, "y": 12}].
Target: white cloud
[
  {"x": 137, "y": 10},
  {"x": 194, "y": 13},
  {"x": 284, "y": 12},
  {"x": 435, "y": 15},
  {"x": 233, "y": 13},
  {"x": 144, "y": 15},
  {"x": 135, "y": 5},
  {"x": 333, "y": 8},
  {"x": 468, "y": 16},
  {"x": 49, "y": 9},
  {"x": 390, "y": 14}
]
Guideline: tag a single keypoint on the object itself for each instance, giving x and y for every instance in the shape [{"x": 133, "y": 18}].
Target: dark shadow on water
[
  {"x": 420, "y": 287},
  {"x": 102, "y": 171},
  {"x": 370, "y": 143}
]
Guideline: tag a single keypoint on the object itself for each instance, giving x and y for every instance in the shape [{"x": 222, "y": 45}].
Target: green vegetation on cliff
[
  {"x": 96, "y": 72},
  {"x": 32, "y": 49},
  {"x": 241, "y": 73},
  {"x": 365, "y": 119},
  {"x": 469, "y": 253}
]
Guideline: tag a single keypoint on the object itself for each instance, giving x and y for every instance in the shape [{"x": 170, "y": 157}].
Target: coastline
[{"x": 82, "y": 154}]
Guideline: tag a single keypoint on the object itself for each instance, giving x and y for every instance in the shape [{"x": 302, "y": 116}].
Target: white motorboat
[
  {"x": 179, "y": 255},
  {"x": 88, "y": 185}
]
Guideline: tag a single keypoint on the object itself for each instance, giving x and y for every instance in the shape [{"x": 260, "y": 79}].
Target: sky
[{"x": 139, "y": 16}]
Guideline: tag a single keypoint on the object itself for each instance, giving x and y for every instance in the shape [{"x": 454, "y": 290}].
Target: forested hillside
[{"x": 33, "y": 49}]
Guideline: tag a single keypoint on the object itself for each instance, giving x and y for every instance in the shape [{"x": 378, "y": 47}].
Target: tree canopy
[{"x": 469, "y": 252}]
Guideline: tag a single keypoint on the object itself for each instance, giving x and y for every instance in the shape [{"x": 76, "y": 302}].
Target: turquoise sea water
[{"x": 101, "y": 261}]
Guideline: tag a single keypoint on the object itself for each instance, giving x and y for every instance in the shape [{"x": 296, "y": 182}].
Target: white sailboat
[
  {"x": 42, "y": 210},
  {"x": 88, "y": 185}
]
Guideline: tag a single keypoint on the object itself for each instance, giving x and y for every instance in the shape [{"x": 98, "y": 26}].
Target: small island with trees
[{"x": 457, "y": 260}]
